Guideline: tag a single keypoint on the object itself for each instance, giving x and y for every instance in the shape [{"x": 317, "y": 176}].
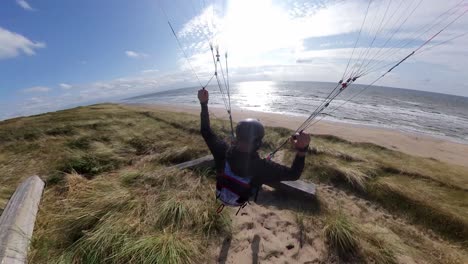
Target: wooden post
[
  {"x": 295, "y": 186},
  {"x": 17, "y": 221}
]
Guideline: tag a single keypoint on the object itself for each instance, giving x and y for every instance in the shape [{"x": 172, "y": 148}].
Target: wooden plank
[
  {"x": 294, "y": 186},
  {"x": 288, "y": 186},
  {"x": 17, "y": 221},
  {"x": 203, "y": 162}
]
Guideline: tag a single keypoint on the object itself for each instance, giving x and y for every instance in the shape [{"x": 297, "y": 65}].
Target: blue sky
[{"x": 55, "y": 54}]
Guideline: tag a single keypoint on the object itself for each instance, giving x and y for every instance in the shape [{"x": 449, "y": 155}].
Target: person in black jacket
[{"x": 242, "y": 157}]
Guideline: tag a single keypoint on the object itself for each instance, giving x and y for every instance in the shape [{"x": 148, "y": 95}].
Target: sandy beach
[{"x": 410, "y": 143}]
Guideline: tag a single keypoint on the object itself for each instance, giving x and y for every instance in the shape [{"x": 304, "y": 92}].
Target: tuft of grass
[
  {"x": 211, "y": 223},
  {"x": 375, "y": 248},
  {"x": 187, "y": 211},
  {"x": 191, "y": 207},
  {"x": 19, "y": 133},
  {"x": 60, "y": 131},
  {"x": 142, "y": 145},
  {"x": 130, "y": 177},
  {"x": 114, "y": 242},
  {"x": 302, "y": 231},
  {"x": 83, "y": 143},
  {"x": 379, "y": 253},
  {"x": 101, "y": 245},
  {"x": 354, "y": 177},
  {"x": 167, "y": 247},
  {"x": 341, "y": 173},
  {"x": 90, "y": 164},
  {"x": 87, "y": 204},
  {"x": 165, "y": 178},
  {"x": 173, "y": 211},
  {"x": 180, "y": 155},
  {"x": 341, "y": 234},
  {"x": 55, "y": 178},
  {"x": 31, "y": 134}
]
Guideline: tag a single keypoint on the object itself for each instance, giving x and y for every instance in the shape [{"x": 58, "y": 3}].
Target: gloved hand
[
  {"x": 301, "y": 141},
  {"x": 203, "y": 96}
]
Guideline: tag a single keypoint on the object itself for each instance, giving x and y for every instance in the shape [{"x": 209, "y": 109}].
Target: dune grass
[
  {"x": 164, "y": 215},
  {"x": 429, "y": 192},
  {"x": 112, "y": 197},
  {"x": 356, "y": 243},
  {"x": 442, "y": 208},
  {"x": 341, "y": 234}
]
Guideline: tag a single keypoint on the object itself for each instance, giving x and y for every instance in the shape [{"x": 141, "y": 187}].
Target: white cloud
[
  {"x": 13, "y": 44},
  {"x": 150, "y": 71},
  {"x": 135, "y": 55},
  {"x": 35, "y": 100},
  {"x": 65, "y": 86},
  {"x": 25, "y": 5},
  {"x": 37, "y": 89},
  {"x": 281, "y": 39}
]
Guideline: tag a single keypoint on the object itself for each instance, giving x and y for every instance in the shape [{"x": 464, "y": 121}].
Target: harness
[{"x": 233, "y": 190}]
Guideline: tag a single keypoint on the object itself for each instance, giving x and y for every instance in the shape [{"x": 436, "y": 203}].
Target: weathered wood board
[
  {"x": 289, "y": 186},
  {"x": 203, "y": 162},
  {"x": 17, "y": 221}
]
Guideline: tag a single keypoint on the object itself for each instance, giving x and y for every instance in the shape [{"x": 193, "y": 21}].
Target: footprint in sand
[{"x": 247, "y": 226}]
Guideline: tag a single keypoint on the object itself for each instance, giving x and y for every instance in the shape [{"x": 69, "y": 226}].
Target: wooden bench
[
  {"x": 288, "y": 186},
  {"x": 17, "y": 221}
]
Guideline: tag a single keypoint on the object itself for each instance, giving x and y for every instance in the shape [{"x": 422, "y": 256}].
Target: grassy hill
[{"x": 112, "y": 196}]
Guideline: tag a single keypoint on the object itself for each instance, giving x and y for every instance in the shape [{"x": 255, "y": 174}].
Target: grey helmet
[{"x": 250, "y": 131}]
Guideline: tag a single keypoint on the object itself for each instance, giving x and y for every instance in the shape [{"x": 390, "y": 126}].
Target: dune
[{"x": 113, "y": 195}]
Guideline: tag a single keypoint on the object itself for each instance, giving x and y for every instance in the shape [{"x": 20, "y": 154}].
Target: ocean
[{"x": 434, "y": 114}]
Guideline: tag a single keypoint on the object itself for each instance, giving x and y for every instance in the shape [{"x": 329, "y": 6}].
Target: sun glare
[
  {"x": 255, "y": 95},
  {"x": 252, "y": 29}
]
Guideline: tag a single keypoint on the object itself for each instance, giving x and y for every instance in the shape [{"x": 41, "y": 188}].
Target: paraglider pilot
[{"x": 240, "y": 170}]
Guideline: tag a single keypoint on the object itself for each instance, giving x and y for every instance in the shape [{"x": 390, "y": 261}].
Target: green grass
[{"x": 341, "y": 234}]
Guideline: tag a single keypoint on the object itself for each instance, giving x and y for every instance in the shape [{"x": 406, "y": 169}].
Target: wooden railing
[{"x": 17, "y": 221}]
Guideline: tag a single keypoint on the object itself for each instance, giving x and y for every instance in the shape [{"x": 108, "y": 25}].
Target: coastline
[{"x": 409, "y": 143}]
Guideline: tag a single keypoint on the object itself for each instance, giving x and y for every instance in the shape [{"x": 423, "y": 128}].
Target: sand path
[
  {"x": 264, "y": 233},
  {"x": 269, "y": 231}
]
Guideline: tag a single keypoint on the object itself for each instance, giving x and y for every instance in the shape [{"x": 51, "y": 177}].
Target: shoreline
[
  {"x": 410, "y": 143},
  {"x": 345, "y": 123}
]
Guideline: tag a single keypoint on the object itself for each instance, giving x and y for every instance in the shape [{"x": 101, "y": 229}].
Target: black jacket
[{"x": 246, "y": 164}]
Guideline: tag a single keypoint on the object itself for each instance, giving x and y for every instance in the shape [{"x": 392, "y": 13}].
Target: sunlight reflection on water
[{"x": 255, "y": 95}]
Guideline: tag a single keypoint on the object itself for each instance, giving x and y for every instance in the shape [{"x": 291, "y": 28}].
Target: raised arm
[
  {"x": 217, "y": 146},
  {"x": 274, "y": 172}
]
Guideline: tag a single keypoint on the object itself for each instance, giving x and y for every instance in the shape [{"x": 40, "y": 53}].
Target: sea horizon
[{"x": 434, "y": 114}]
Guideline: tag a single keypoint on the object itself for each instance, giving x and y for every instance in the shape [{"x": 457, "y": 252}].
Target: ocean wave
[{"x": 387, "y": 107}]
